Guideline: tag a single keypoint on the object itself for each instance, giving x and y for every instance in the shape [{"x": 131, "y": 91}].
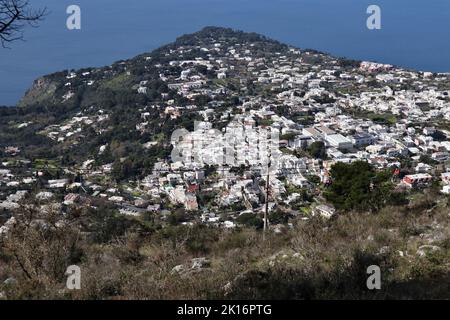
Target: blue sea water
[{"x": 415, "y": 33}]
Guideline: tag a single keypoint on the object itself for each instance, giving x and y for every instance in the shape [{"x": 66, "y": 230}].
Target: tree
[
  {"x": 357, "y": 186},
  {"x": 318, "y": 150},
  {"x": 39, "y": 253},
  {"x": 279, "y": 217},
  {"x": 250, "y": 220},
  {"x": 14, "y": 16}
]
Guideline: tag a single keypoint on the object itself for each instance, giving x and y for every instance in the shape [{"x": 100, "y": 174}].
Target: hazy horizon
[{"x": 412, "y": 34}]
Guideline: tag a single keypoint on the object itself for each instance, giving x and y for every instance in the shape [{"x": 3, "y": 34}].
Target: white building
[
  {"x": 339, "y": 141},
  {"x": 325, "y": 211},
  {"x": 363, "y": 139}
]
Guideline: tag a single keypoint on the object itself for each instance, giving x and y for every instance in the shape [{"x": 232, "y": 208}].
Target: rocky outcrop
[{"x": 42, "y": 90}]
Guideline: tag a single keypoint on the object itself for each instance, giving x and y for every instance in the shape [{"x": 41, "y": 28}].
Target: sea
[{"x": 414, "y": 33}]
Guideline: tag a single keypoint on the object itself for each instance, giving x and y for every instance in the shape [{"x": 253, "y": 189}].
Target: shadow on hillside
[{"x": 346, "y": 283}]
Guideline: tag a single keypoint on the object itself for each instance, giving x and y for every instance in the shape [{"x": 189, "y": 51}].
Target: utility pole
[{"x": 266, "y": 211}]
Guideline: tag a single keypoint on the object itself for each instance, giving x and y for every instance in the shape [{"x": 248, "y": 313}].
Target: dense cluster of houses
[{"x": 399, "y": 119}]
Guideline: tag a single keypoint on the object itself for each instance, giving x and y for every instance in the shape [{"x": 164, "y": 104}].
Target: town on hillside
[{"x": 180, "y": 135}]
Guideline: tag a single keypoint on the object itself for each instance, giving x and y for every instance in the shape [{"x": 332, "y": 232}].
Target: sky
[{"x": 414, "y": 33}]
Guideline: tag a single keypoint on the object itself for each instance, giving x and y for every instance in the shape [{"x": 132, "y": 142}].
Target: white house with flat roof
[{"x": 339, "y": 141}]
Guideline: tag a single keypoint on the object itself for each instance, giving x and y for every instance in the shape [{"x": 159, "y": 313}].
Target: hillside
[{"x": 157, "y": 174}]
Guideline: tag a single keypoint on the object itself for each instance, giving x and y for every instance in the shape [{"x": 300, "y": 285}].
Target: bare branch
[{"x": 14, "y": 16}]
